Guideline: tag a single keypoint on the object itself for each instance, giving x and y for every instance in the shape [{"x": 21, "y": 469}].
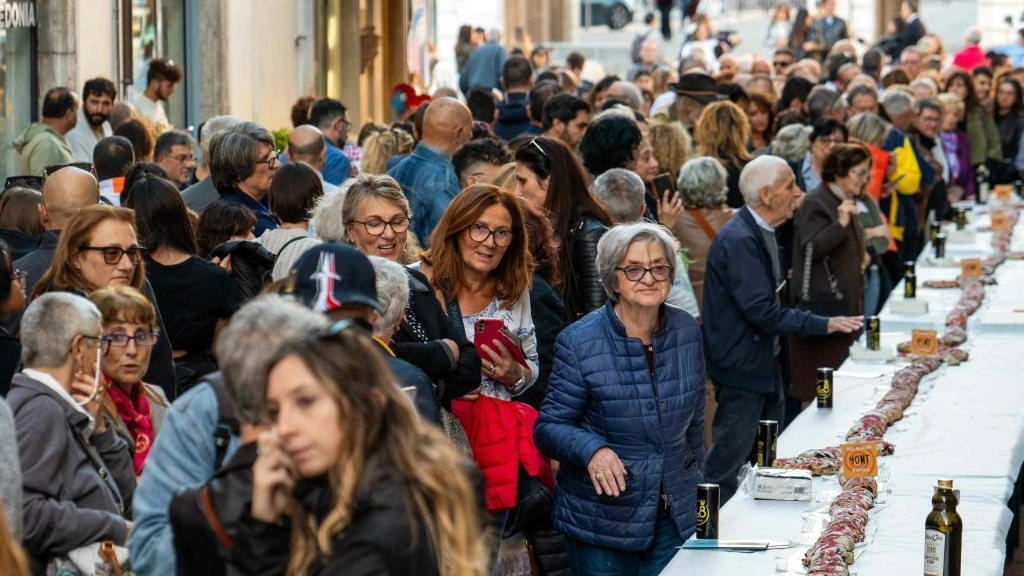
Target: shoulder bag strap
[
  {"x": 805, "y": 286},
  {"x": 101, "y": 470},
  {"x": 702, "y": 221}
]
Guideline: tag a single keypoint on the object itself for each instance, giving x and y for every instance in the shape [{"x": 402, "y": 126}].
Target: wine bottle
[{"x": 943, "y": 533}]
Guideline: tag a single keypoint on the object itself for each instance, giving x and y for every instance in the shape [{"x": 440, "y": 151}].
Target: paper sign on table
[
  {"x": 1003, "y": 193},
  {"x": 970, "y": 268},
  {"x": 924, "y": 342},
  {"x": 860, "y": 459},
  {"x": 1000, "y": 222}
]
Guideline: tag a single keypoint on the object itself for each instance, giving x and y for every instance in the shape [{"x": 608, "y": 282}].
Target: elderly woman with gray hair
[
  {"x": 624, "y": 414},
  {"x": 373, "y": 215},
  {"x": 702, "y": 187}
]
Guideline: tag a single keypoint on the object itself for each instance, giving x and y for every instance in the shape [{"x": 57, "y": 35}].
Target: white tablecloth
[{"x": 967, "y": 423}]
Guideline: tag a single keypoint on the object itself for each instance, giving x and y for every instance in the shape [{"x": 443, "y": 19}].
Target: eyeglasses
[
  {"x": 98, "y": 339},
  {"x": 376, "y": 226},
  {"x": 637, "y": 273},
  {"x": 535, "y": 143},
  {"x": 479, "y": 232},
  {"x": 861, "y": 173},
  {"x": 183, "y": 158},
  {"x": 271, "y": 160},
  {"x": 121, "y": 340},
  {"x": 21, "y": 279},
  {"x": 113, "y": 254},
  {"x": 87, "y": 166}
]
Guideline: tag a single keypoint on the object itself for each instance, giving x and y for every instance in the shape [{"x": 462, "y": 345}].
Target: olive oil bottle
[{"x": 943, "y": 533}]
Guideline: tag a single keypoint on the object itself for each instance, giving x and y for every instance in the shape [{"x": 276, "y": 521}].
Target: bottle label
[{"x": 935, "y": 553}]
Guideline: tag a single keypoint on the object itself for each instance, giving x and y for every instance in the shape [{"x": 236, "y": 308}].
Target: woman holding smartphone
[{"x": 479, "y": 266}]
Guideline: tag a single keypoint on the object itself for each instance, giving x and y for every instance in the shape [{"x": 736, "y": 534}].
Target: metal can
[
  {"x": 1019, "y": 186},
  {"x": 934, "y": 229},
  {"x": 939, "y": 242},
  {"x": 823, "y": 390},
  {"x": 708, "y": 502},
  {"x": 767, "y": 441},
  {"x": 961, "y": 217},
  {"x": 909, "y": 280},
  {"x": 874, "y": 335}
]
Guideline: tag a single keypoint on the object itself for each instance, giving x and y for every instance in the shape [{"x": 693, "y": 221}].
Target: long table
[{"x": 966, "y": 423}]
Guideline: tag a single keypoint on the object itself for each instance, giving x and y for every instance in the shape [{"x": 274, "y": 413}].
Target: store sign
[{"x": 17, "y": 15}]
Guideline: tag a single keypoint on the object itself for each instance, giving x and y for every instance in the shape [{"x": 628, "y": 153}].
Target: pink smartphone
[{"x": 490, "y": 329}]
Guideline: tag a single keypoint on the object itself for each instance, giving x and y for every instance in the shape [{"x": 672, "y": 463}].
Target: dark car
[{"x": 613, "y": 13}]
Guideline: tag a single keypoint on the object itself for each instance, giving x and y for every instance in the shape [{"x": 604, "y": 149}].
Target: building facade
[{"x": 250, "y": 58}]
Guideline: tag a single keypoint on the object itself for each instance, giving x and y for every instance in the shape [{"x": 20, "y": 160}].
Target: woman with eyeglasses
[
  {"x": 99, "y": 248},
  {"x": 373, "y": 215},
  {"x": 132, "y": 408},
  {"x": 480, "y": 266},
  {"x": 829, "y": 260},
  {"x": 624, "y": 414},
  {"x": 195, "y": 297},
  {"x": 12, "y": 301},
  {"x": 550, "y": 178},
  {"x": 1008, "y": 113}
]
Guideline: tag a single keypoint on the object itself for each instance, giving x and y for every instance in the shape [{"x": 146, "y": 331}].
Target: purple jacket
[{"x": 964, "y": 176}]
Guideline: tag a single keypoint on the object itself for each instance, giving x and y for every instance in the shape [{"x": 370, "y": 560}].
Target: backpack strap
[
  {"x": 210, "y": 513},
  {"x": 290, "y": 242},
  {"x": 227, "y": 422}
]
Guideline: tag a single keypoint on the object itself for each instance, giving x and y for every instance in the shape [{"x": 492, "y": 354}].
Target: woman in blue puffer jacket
[{"x": 624, "y": 414}]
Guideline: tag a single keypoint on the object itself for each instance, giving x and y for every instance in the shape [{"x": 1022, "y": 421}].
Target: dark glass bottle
[{"x": 943, "y": 533}]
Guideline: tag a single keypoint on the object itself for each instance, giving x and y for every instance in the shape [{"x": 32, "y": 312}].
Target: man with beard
[
  {"x": 98, "y": 97},
  {"x": 163, "y": 74},
  {"x": 566, "y": 118}
]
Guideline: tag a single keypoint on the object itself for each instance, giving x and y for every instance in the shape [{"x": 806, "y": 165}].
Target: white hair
[
  {"x": 760, "y": 173},
  {"x": 392, "y": 283},
  {"x": 51, "y": 323}
]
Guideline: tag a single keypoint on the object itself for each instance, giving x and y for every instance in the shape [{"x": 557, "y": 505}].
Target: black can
[
  {"x": 939, "y": 243},
  {"x": 1019, "y": 186},
  {"x": 909, "y": 280},
  {"x": 961, "y": 218},
  {"x": 708, "y": 501},
  {"x": 933, "y": 231},
  {"x": 824, "y": 388},
  {"x": 767, "y": 440},
  {"x": 874, "y": 337}
]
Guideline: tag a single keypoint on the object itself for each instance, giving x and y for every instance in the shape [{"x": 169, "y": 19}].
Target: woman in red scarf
[{"x": 134, "y": 409}]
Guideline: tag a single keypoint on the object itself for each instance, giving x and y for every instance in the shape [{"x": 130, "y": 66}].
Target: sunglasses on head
[{"x": 87, "y": 166}]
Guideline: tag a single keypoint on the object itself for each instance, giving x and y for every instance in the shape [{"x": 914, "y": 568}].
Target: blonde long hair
[
  {"x": 722, "y": 131},
  {"x": 381, "y": 425}
]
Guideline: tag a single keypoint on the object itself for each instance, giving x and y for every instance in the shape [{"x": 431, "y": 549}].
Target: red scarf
[{"x": 134, "y": 410}]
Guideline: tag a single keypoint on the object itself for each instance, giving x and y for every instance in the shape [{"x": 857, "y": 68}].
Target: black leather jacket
[{"x": 582, "y": 291}]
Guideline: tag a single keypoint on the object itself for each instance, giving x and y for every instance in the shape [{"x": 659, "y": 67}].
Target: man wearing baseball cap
[{"x": 339, "y": 281}]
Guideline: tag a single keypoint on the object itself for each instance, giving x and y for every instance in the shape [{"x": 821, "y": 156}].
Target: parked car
[{"x": 613, "y": 13}]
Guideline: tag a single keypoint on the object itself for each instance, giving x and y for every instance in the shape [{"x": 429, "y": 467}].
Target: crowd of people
[{"x": 507, "y": 333}]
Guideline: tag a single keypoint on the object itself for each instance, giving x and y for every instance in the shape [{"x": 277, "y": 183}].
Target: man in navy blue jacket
[{"x": 745, "y": 323}]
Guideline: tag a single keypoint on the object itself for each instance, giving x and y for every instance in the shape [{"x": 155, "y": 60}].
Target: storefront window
[
  {"x": 17, "y": 73},
  {"x": 158, "y": 29}
]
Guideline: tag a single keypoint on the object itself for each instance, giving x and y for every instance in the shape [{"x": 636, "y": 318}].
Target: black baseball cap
[{"x": 331, "y": 275}]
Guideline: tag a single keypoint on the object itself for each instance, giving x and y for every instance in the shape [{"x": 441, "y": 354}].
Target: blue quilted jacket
[{"x": 601, "y": 394}]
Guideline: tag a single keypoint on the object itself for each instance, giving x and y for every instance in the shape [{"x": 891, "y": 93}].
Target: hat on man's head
[
  {"x": 700, "y": 87},
  {"x": 332, "y": 275}
]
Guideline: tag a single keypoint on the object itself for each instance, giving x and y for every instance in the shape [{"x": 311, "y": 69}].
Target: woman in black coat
[
  {"x": 350, "y": 480},
  {"x": 550, "y": 179}
]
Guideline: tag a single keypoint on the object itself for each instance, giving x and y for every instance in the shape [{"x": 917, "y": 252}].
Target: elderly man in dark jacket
[
  {"x": 745, "y": 323},
  {"x": 77, "y": 475}
]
